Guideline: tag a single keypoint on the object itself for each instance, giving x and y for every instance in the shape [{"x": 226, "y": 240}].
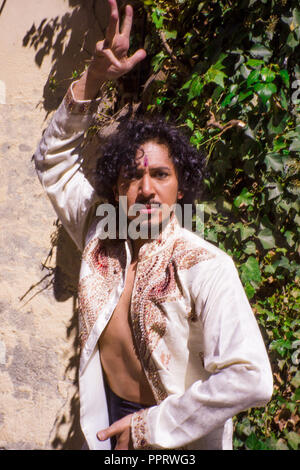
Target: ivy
[{"x": 231, "y": 81}]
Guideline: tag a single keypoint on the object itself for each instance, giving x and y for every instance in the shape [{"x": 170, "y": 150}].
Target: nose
[{"x": 146, "y": 186}]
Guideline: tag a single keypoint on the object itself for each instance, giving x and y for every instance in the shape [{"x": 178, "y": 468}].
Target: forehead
[{"x": 153, "y": 153}]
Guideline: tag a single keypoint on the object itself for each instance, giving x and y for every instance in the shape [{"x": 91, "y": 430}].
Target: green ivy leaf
[
  {"x": 246, "y": 232},
  {"x": 158, "y": 60},
  {"x": 266, "y": 238},
  {"x": 285, "y": 77},
  {"x": 267, "y": 74},
  {"x": 277, "y": 123},
  {"x": 281, "y": 346},
  {"x": 196, "y": 87},
  {"x": 254, "y": 62},
  {"x": 250, "y": 290},
  {"x": 283, "y": 100},
  {"x": 260, "y": 51},
  {"x": 283, "y": 262},
  {"x": 244, "y": 199},
  {"x": 274, "y": 161},
  {"x": 295, "y": 145},
  {"x": 250, "y": 271},
  {"x": 250, "y": 248},
  {"x": 244, "y": 95},
  {"x": 274, "y": 190},
  {"x": 227, "y": 100},
  {"x": 292, "y": 41},
  {"x": 211, "y": 235},
  {"x": 265, "y": 91},
  {"x": 296, "y": 380},
  {"x": 190, "y": 124},
  {"x": 253, "y": 443},
  {"x": 293, "y": 439},
  {"x": 157, "y": 17},
  {"x": 215, "y": 76},
  {"x": 253, "y": 77},
  {"x": 296, "y": 17},
  {"x": 197, "y": 138}
]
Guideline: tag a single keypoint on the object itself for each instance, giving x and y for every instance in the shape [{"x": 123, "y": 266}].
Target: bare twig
[
  {"x": 169, "y": 51},
  {"x": 212, "y": 122}
]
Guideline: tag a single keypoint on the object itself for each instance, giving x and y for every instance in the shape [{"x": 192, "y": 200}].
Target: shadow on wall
[
  {"x": 65, "y": 282},
  {"x": 63, "y": 279},
  {"x": 70, "y": 41}
]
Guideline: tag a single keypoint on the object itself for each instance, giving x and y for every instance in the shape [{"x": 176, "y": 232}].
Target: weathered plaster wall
[{"x": 39, "y": 264}]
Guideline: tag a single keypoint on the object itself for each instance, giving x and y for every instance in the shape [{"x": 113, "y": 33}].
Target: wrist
[{"x": 88, "y": 86}]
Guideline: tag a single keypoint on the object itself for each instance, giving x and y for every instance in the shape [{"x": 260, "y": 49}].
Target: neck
[
  {"x": 139, "y": 242},
  {"x": 136, "y": 246}
]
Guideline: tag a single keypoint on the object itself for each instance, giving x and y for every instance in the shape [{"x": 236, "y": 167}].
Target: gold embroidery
[
  {"x": 139, "y": 431},
  {"x": 157, "y": 283},
  {"x": 78, "y": 107},
  {"x": 107, "y": 262},
  {"x": 186, "y": 257}
]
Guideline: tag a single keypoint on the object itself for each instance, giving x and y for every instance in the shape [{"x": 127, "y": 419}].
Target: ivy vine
[{"x": 228, "y": 73}]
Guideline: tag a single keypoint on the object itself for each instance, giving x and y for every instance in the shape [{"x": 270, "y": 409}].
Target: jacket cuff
[
  {"x": 139, "y": 431},
  {"x": 79, "y": 107}
]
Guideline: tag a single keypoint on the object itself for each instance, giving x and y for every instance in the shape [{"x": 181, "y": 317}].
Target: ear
[
  {"x": 180, "y": 195},
  {"x": 116, "y": 193}
]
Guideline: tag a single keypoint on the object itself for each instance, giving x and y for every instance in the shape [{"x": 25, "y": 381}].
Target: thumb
[
  {"x": 116, "y": 428},
  {"x": 106, "y": 433}
]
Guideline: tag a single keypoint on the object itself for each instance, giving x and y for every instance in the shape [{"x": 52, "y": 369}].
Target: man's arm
[{"x": 59, "y": 155}]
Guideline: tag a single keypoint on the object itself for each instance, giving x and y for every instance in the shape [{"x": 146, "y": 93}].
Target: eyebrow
[
  {"x": 154, "y": 168},
  {"x": 141, "y": 170}
]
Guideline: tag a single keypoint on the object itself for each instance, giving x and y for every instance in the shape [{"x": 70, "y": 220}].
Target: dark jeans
[{"x": 118, "y": 408}]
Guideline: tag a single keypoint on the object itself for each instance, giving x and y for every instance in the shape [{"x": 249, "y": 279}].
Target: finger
[
  {"x": 127, "y": 23},
  {"x": 111, "y": 431},
  {"x": 121, "y": 445},
  {"x": 104, "y": 434},
  {"x": 113, "y": 25},
  {"x": 137, "y": 57},
  {"x": 102, "y": 51},
  {"x": 116, "y": 428}
]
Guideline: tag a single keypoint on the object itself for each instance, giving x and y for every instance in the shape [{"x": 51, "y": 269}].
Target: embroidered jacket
[{"x": 198, "y": 340}]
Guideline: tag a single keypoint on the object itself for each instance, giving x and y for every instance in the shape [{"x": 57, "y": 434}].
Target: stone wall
[{"x": 42, "y": 43}]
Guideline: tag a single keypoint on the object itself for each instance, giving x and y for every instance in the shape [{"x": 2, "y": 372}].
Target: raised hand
[{"x": 110, "y": 60}]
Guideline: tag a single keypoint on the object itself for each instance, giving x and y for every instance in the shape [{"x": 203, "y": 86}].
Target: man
[{"x": 171, "y": 350}]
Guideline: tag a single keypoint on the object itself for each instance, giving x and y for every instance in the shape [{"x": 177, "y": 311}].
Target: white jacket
[{"x": 199, "y": 342}]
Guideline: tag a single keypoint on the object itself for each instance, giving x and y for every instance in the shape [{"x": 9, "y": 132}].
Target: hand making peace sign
[{"x": 110, "y": 60}]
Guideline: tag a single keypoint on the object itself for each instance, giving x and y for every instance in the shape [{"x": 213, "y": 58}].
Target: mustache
[{"x": 148, "y": 202}]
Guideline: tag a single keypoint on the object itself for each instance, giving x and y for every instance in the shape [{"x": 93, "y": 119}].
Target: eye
[
  {"x": 161, "y": 174},
  {"x": 131, "y": 175}
]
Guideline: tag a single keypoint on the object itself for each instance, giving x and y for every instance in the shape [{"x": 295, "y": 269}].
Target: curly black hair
[{"x": 120, "y": 150}]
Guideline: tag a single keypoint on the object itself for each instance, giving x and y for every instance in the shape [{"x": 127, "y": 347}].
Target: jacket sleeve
[
  {"x": 59, "y": 160},
  {"x": 239, "y": 374}
]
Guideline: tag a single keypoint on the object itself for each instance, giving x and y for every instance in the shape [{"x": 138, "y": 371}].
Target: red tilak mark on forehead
[{"x": 146, "y": 161}]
